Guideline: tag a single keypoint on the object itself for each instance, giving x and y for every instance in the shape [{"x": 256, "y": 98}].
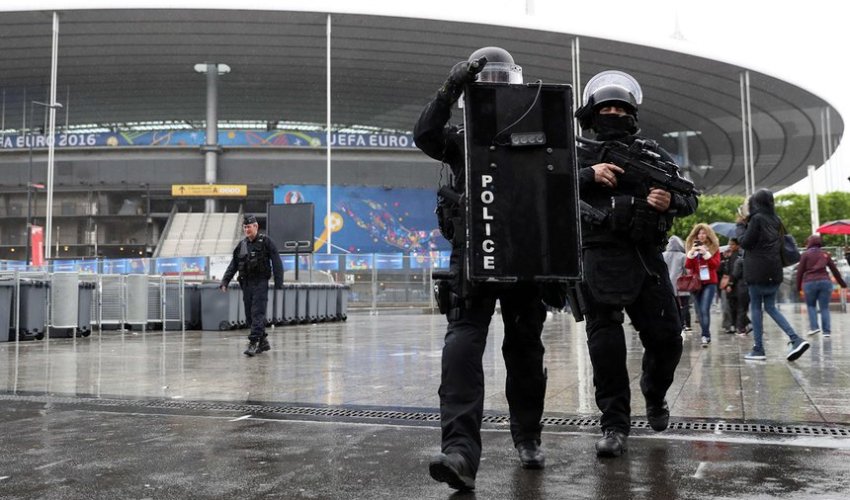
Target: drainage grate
[{"x": 386, "y": 415}]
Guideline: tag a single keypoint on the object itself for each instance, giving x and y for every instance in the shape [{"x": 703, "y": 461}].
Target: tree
[{"x": 793, "y": 209}]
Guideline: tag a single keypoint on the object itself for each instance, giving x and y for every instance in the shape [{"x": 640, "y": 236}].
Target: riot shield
[{"x": 522, "y": 216}]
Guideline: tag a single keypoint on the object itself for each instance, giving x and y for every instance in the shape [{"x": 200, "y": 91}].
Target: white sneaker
[
  {"x": 705, "y": 341},
  {"x": 813, "y": 332}
]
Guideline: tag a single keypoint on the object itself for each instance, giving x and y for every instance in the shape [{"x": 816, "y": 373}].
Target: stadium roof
[{"x": 136, "y": 65}]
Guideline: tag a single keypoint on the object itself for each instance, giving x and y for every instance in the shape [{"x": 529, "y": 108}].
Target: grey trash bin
[
  {"x": 270, "y": 307},
  {"x": 342, "y": 302},
  {"x": 6, "y": 291},
  {"x": 191, "y": 306},
  {"x": 84, "y": 309},
  {"x": 32, "y": 314},
  {"x": 333, "y": 302},
  {"x": 290, "y": 304},
  {"x": 218, "y": 310},
  {"x": 278, "y": 306}
]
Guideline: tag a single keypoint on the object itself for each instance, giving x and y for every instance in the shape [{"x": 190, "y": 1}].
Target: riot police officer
[
  {"x": 469, "y": 308},
  {"x": 256, "y": 258},
  {"x": 622, "y": 261}
]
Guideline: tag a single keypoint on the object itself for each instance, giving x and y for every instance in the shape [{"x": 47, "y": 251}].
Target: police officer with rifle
[
  {"x": 634, "y": 189},
  {"x": 470, "y": 306},
  {"x": 256, "y": 258}
]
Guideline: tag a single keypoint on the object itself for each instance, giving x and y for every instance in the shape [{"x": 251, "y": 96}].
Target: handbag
[
  {"x": 789, "y": 254},
  {"x": 688, "y": 283}
]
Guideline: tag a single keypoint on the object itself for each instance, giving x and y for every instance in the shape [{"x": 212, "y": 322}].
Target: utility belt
[{"x": 630, "y": 217}]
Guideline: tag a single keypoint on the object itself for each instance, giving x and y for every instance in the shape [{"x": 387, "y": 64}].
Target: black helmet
[
  {"x": 500, "y": 67},
  {"x": 609, "y": 88}
]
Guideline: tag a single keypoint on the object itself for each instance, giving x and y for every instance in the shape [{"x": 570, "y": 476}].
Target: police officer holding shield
[
  {"x": 622, "y": 261},
  {"x": 469, "y": 307},
  {"x": 257, "y": 259}
]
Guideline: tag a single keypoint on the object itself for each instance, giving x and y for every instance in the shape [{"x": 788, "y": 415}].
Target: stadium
[{"x": 134, "y": 105}]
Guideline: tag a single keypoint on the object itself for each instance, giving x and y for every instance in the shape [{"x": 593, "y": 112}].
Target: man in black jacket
[
  {"x": 255, "y": 257},
  {"x": 623, "y": 265},
  {"x": 470, "y": 308}
]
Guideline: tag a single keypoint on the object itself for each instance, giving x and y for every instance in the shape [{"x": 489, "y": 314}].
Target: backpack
[{"x": 789, "y": 254}]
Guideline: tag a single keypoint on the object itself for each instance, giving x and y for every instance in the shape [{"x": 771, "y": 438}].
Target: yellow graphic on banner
[{"x": 209, "y": 190}]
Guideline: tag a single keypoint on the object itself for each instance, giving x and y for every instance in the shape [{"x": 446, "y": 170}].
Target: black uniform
[
  {"x": 469, "y": 312},
  {"x": 255, "y": 261},
  {"x": 624, "y": 268}
]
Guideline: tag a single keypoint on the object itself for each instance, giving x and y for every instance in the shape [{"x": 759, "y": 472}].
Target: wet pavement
[{"x": 348, "y": 410}]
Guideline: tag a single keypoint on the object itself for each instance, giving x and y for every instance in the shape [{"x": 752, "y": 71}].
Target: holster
[{"x": 448, "y": 302}]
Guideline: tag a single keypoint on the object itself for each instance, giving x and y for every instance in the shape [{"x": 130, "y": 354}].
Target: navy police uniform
[
  {"x": 624, "y": 270},
  {"x": 256, "y": 261},
  {"x": 469, "y": 309}
]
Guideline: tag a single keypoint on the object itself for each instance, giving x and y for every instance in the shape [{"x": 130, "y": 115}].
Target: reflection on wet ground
[{"x": 56, "y": 449}]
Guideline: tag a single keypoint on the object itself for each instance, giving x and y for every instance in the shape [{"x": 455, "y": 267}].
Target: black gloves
[{"x": 462, "y": 73}]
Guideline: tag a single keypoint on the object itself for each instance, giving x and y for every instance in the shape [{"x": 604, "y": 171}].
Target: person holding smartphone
[{"x": 703, "y": 259}]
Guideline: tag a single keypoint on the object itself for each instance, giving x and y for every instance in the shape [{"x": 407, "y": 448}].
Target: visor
[
  {"x": 500, "y": 72},
  {"x": 613, "y": 78}
]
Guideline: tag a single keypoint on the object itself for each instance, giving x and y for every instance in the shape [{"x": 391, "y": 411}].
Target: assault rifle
[{"x": 640, "y": 159}]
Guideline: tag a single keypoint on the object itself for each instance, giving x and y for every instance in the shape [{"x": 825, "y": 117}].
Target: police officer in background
[
  {"x": 469, "y": 308},
  {"x": 255, "y": 257},
  {"x": 623, "y": 265}
]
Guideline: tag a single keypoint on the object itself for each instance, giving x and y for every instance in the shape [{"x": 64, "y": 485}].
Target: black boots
[
  {"x": 264, "y": 346},
  {"x": 257, "y": 347},
  {"x": 658, "y": 415},
  {"x": 612, "y": 444},
  {"x": 452, "y": 469},
  {"x": 530, "y": 455}
]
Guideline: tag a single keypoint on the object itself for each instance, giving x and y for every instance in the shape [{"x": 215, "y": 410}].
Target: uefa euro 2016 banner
[
  {"x": 367, "y": 220},
  {"x": 196, "y": 138}
]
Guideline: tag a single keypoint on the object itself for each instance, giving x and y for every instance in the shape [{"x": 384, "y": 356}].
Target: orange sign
[{"x": 209, "y": 190}]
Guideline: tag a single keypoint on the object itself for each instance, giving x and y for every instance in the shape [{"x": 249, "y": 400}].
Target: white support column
[
  {"x": 211, "y": 143},
  {"x": 54, "y": 62},
  {"x": 328, "y": 222},
  {"x": 747, "y": 191},
  {"x": 813, "y": 199}
]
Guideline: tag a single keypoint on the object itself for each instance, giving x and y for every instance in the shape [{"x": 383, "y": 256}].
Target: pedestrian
[
  {"x": 814, "y": 282},
  {"x": 759, "y": 230},
  {"x": 703, "y": 259},
  {"x": 470, "y": 307},
  {"x": 622, "y": 262},
  {"x": 674, "y": 257},
  {"x": 256, "y": 259},
  {"x": 730, "y": 285},
  {"x": 741, "y": 293},
  {"x": 728, "y": 324}
]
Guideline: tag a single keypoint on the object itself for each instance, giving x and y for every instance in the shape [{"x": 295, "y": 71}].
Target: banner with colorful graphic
[
  {"x": 370, "y": 219},
  {"x": 227, "y": 138}
]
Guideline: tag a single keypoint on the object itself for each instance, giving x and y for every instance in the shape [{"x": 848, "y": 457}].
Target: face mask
[{"x": 611, "y": 126}]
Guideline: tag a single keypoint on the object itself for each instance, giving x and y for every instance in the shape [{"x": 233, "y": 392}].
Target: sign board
[
  {"x": 209, "y": 190},
  {"x": 522, "y": 218},
  {"x": 291, "y": 227}
]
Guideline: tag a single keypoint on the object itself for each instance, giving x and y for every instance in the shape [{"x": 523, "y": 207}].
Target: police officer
[
  {"x": 623, "y": 265},
  {"x": 255, "y": 258},
  {"x": 470, "y": 308}
]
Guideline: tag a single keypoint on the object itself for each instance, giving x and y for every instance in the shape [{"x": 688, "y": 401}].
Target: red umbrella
[{"x": 835, "y": 227}]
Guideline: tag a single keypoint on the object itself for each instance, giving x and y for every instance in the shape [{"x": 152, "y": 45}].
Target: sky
[{"x": 803, "y": 42}]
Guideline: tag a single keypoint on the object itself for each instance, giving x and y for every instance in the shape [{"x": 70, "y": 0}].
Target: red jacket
[{"x": 713, "y": 263}]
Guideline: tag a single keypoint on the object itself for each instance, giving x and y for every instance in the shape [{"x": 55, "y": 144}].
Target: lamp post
[{"x": 30, "y": 184}]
